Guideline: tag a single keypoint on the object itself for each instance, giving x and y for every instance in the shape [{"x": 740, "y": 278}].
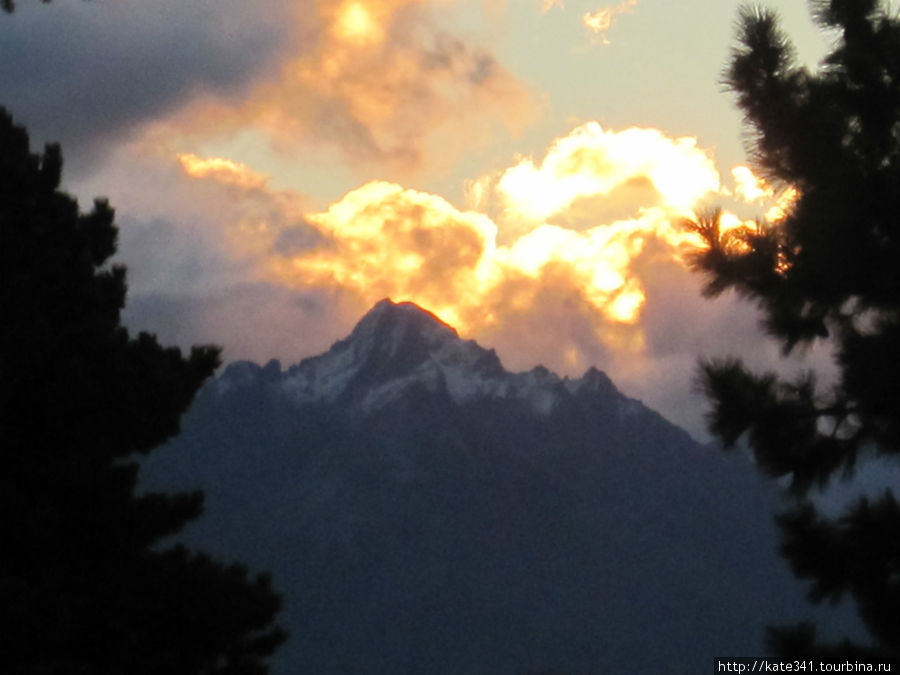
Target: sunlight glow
[
  {"x": 354, "y": 23},
  {"x": 626, "y": 306}
]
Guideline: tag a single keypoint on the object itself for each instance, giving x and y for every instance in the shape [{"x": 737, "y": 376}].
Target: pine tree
[
  {"x": 87, "y": 583},
  {"x": 829, "y": 271},
  {"x": 9, "y": 6}
]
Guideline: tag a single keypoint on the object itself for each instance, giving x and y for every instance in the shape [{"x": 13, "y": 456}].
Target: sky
[{"x": 521, "y": 168}]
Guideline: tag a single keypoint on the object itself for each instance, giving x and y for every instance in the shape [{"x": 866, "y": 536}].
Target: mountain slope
[{"x": 426, "y": 511}]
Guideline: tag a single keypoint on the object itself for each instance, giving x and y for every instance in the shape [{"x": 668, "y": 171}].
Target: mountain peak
[
  {"x": 392, "y": 347},
  {"x": 399, "y": 350},
  {"x": 388, "y": 310},
  {"x": 391, "y": 322}
]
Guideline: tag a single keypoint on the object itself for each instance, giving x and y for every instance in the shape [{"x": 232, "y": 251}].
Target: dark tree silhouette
[
  {"x": 829, "y": 271},
  {"x": 10, "y": 5},
  {"x": 86, "y": 584}
]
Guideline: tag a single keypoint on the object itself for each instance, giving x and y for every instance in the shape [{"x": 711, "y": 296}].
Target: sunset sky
[{"x": 518, "y": 167}]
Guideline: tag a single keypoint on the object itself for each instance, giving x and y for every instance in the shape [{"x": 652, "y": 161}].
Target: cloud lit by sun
[
  {"x": 381, "y": 80},
  {"x": 527, "y": 235},
  {"x": 222, "y": 170},
  {"x": 752, "y": 189},
  {"x": 783, "y": 204},
  {"x": 591, "y": 161},
  {"x": 599, "y": 21},
  {"x": 748, "y": 186},
  {"x": 354, "y": 22}
]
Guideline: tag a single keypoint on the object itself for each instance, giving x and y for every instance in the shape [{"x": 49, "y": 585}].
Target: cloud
[
  {"x": 751, "y": 189},
  {"x": 599, "y": 21},
  {"x": 251, "y": 320},
  {"x": 224, "y": 171},
  {"x": 87, "y": 73},
  {"x": 383, "y": 81},
  {"x": 196, "y": 237},
  {"x": 382, "y": 240},
  {"x": 748, "y": 187},
  {"x": 591, "y": 161},
  {"x": 527, "y": 242}
]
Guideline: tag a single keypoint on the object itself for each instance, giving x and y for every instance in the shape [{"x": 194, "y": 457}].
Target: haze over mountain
[{"x": 425, "y": 511}]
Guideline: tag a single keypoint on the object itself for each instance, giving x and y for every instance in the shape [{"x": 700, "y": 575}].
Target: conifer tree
[
  {"x": 87, "y": 582},
  {"x": 9, "y": 6},
  {"x": 829, "y": 271}
]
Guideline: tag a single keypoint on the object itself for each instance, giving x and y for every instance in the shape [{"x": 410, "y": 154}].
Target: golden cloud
[
  {"x": 381, "y": 80},
  {"x": 591, "y": 161},
  {"x": 754, "y": 190},
  {"x": 382, "y": 240},
  {"x": 224, "y": 171},
  {"x": 477, "y": 269},
  {"x": 784, "y": 202},
  {"x": 359, "y": 22},
  {"x": 600, "y": 21}
]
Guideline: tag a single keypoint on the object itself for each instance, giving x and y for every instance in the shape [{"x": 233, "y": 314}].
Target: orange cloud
[
  {"x": 783, "y": 204},
  {"x": 749, "y": 187},
  {"x": 381, "y": 80},
  {"x": 475, "y": 268},
  {"x": 600, "y": 21},
  {"x": 222, "y": 170},
  {"x": 591, "y": 161},
  {"x": 382, "y": 240},
  {"x": 752, "y": 189},
  {"x": 358, "y": 23}
]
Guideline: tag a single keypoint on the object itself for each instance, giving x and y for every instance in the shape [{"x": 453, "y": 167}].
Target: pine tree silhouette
[
  {"x": 828, "y": 271},
  {"x": 9, "y": 6},
  {"x": 87, "y": 584}
]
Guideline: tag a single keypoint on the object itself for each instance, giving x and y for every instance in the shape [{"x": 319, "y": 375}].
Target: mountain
[{"x": 425, "y": 511}]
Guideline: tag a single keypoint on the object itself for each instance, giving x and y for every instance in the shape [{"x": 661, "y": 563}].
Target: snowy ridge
[{"x": 397, "y": 347}]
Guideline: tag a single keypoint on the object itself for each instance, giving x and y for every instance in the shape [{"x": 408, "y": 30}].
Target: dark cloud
[
  {"x": 163, "y": 257},
  {"x": 250, "y": 320},
  {"x": 297, "y": 238},
  {"x": 84, "y": 72},
  {"x": 451, "y": 54}
]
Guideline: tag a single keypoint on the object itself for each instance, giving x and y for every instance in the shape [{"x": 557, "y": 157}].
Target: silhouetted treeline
[{"x": 87, "y": 584}]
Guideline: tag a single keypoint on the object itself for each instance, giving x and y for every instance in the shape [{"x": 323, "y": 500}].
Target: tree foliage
[
  {"x": 828, "y": 271},
  {"x": 9, "y": 6},
  {"x": 86, "y": 584}
]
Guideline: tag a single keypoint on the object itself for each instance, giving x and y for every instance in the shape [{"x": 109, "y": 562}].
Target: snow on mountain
[{"x": 399, "y": 346}]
